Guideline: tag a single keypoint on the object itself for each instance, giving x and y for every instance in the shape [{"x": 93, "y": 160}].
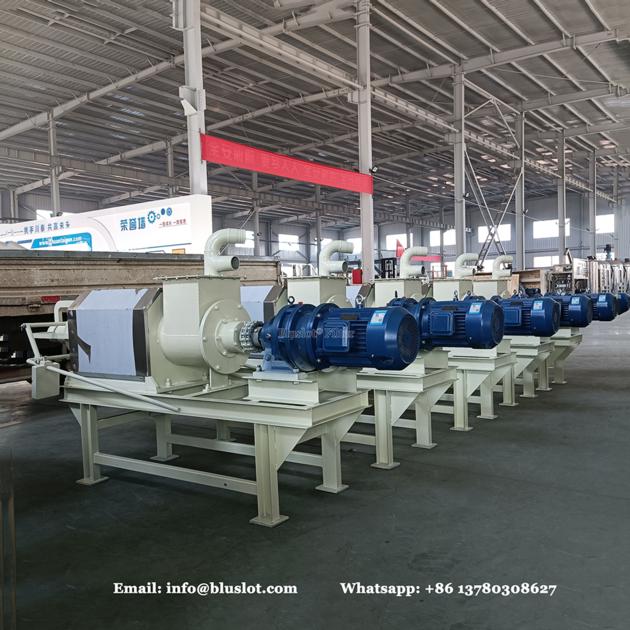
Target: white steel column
[
  {"x": 459, "y": 161},
  {"x": 318, "y": 223},
  {"x": 442, "y": 261},
  {"x": 519, "y": 194},
  {"x": 170, "y": 166},
  {"x": 256, "y": 211},
  {"x": 562, "y": 200},
  {"x": 365, "y": 135},
  {"x": 55, "y": 197},
  {"x": 408, "y": 224},
  {"x": 592, "y": 205},
  {"x": 187, "y": 18}
]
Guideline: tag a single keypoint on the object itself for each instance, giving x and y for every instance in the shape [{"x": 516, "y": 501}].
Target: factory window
[
  {"x": 288, "y": 242},
  {"x": 505, "y": 232},
  {"x": 546, "y": 261},
  {"x": 487, "y": 264},
  {"x": 392, "y": 240},
  {"x": 434, "y": 238},
  {"x": 249, "y": 241},
  {"x": 605, "y": 224},
  {"x": 357, "y": 244},
  {"x": 549, "y": 228}
]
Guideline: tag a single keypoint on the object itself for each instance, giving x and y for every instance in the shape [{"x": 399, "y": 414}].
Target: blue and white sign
[{"x": 176, "y": 225}]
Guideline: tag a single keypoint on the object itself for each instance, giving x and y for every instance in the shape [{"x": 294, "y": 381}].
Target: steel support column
[
  {"x": 592, "y": 205},
  {"x": 364, "y": 98},
  {"x": 459, "y": 162},
  {"x": 187, "y": 18},
  {"x": 408, "y": 229},
  {"x": 519, "y": 194},
  {"x": 318, "y": 223},
  {"x": 14, "y": 207},
  {"x": 442, "y": 262},
  {"x": 562, "y": 199},
  {"x": 170, "y": 167},
  {"x": 55, "y": 196},
  {"x": 256, "y": 216}
]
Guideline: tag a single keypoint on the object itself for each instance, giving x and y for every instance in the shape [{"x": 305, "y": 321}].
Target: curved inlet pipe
[
  {"x": 328, "y": 267},
  {"x": 463, "y": 270},
  {"x": 213, "y": 262},
  {"x": 501, "y": 272},
  {"x": 409, "y": 270}
]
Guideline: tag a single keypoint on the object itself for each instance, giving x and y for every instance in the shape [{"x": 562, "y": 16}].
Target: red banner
[
  {"x": 430, "y": 258},
  {"x": 242, "y": 156}
]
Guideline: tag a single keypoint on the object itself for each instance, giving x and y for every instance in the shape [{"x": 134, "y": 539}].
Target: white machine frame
[
  {"x": 565, "y": 342},
  {"x": 200, "y": 325},
  {"x": 278, "y": 429}
]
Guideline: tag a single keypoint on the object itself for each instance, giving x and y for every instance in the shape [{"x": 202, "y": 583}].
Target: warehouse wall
[
  {"x": 31, "y": 202},
  {"x": 543, "y": 209}
]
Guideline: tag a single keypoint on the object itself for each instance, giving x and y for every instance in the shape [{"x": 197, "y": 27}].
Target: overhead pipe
[
  {"x": 462, "y": 270},
  {"x": 213, "y": 262},
  {"x": 407, "y": 268},
  {"x": 328, "y": 267}
]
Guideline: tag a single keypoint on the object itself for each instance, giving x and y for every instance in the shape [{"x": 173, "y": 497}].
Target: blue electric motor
[
  {"x": 576, "y": 311},
  {"x": 604, "y": 306},
  {"x": 530, "y": 316},
  {"x": 308, "y": 338},
  {"x": 623, "y": 303},
  {"x": 457, "y": 324}
]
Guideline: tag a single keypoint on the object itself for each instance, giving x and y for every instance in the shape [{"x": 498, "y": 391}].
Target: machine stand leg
[
  {"x": 383, "y": 430},
  {"x": 424, "y": 433},
  {"x": 164, "y": 447},
  {"x": 558, "y": 372},
  {"x": 331, "y": 464},
  {"x": 266, "y": 478},
  {"x": 89, "y": 446},
  {"x": 460, "y": 403},
  {"x": 487, "y": 401},
  {"x": 508, "y": 389},
  {"x": 543, "y": 377},
  {"x": 529, "y": 383},
  {"x": 223, "y": 431}
]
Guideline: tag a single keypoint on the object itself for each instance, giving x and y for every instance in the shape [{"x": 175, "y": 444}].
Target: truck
[{"x": 33, "y": 282}]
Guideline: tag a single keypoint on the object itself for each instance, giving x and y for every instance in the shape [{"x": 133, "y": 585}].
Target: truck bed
[{"x": 30, "y": 282}]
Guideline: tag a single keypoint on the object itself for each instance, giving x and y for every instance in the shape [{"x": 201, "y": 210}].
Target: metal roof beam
[
  {"x": 482, "y": 62},
  {"x": 573, "y": 97},
  {"x": 116, "y": 172},
  {"x": 294, "y": 24},
  {"x": 585, "y": 130}
]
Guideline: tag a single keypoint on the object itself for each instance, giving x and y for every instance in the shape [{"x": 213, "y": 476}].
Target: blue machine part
[
  {"x": 576, "y": 311},
  {"x": 604, "y": 306},
  {"x": 538, "y": 316},
  {"x": 458, "y": 324},
  {"x": 308, "y": 338},
  {"x": 623, "y": 303}
]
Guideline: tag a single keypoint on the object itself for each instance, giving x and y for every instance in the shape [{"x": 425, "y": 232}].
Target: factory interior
[{"x": 314, "y": 313}]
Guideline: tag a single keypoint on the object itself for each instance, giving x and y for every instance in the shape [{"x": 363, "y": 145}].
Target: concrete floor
[{"x": 540, "y": 495}]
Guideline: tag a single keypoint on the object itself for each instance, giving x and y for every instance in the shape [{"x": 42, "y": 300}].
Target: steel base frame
[
  {"x": 565, "y": 342},
  {"x": 394, "y": 393},
  {"x": 479, "y": 374},
  {"x": 278, "y": 429},
  {"x": 531, "y": 371}
]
